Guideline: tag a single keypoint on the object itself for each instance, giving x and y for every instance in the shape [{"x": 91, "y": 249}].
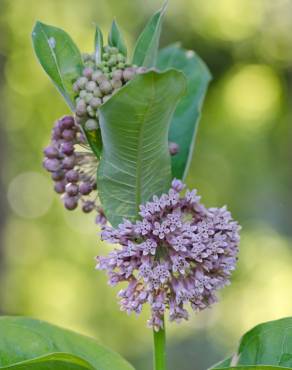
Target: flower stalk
[{"x": 159, "y": 338}]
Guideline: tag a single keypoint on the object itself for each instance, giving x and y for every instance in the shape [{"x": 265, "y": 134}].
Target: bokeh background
[{"x": 242, "y": 158}]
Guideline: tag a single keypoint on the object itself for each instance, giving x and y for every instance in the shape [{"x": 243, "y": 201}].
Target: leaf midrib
[{"x": 55, "y": 59}]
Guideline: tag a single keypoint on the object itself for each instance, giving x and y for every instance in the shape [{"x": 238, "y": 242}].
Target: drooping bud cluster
[
  {"x": 73, "y": 167},
  {"x": 179, "y": 252},
  {"x": 99, "y": 82}
]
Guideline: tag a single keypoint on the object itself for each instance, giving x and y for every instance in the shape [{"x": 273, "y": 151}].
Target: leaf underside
[
  {"x": 134, "y": 124},
  {"x": 59, "y": 57},
  {"x": 187, "y": 114},
  {"x": 36, "y": 345}
]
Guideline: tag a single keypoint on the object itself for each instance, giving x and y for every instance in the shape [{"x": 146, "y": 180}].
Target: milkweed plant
[{"x": 122, "y": 156}]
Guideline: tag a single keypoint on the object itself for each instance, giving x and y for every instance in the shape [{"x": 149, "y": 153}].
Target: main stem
[{"x": 159, "y": 349}]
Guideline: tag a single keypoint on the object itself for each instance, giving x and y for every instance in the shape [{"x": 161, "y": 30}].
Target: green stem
[{"x": 159, "y": 349}]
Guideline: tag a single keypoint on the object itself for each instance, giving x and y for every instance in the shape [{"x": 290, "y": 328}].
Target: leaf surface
[
  {"x": 146, "y": 48},
  {"x": 32, "y": 344},
  {"x": 135, "y": 162},
  {"x": 116, "y": 39},
  {"x": 267, "y": 346},
  {"x": 98, "y": 44},
  {"x": 59, "y": 57},
  {"x": 187, "y": 114}
]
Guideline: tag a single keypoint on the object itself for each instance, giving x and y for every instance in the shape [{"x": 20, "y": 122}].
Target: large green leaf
[
  {"x": 186, "y": 117},
  {"x": 115, "y": 38},
  {"x": 55, "y": 361},
  {"x": 146, "y": 48},
  {"x": 135, "y": 162},
  {"x": 59, "y": 57},
  {"x": 23, "y": 339},
  {"x": 268, "y": 345}
]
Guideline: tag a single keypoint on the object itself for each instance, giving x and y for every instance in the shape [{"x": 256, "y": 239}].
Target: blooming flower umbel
[{"x": 179, "y": 252}]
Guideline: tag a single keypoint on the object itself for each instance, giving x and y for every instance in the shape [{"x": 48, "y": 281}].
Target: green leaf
[
  {"x": 253, "y": 367},
  {"x": 135, "y": 162},
  {"x": 98, "y": 44},
  {"x": 146, "y": 48},
  {"x": 186, "y": 117},
  {"x": 59, "y": 57},
  {"x": 36, "y": 345},
  {"x": 267, "y": 346},
  {"x": 115, "y": 39},
  {"x": 55, "y": 361},
  {"x": 94, "y": 141}
]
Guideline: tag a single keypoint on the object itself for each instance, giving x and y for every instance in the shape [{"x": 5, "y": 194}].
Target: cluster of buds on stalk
[{"x": 99, "y": 82}]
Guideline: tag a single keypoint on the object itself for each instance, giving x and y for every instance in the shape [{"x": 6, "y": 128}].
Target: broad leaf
[
  {"x": 115, "y": 38},
  {"x": 146, "y": 48},
  {"x": 268, "y": 345},
  {"x": 23, "y": 339},
  {"x": 55, "y": 361},
  {"x": 98, "y": 44},
  {"x": 59, "y": 57},
  {"x": 135, "y": 162},
  {"x": 186, "y": 117}
]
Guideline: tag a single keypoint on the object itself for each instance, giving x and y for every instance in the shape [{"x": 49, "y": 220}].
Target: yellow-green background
[{"x": 242, "y": 159}]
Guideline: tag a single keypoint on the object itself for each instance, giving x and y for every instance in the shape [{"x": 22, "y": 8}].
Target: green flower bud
[
  {"x": 97, "y": 76},
  {"x": 121, "y": 58},
  {"x": 82, "y": 93},
  {"x": 112, "y": 61},
  {"x": 76, "y": 87},
  {"x": 129, "y": 73},
  {"x": 87, "y": 72},
  {"x": 105, "y": 56},
  {"x": 117, "y": 74},
  {"x": 90, "y": 111},
  {"x": 90, "y": 86},
  {"x": 105, "y": 87},
  {"x": 88, "y": 97},
  {"x": 81, "y": 107},
  {"x": 116, "y": 84},
  {"x": 82, "y": 81},
  {"x": 91, "y": 125},
  {"x": 97, "y": 93},
  {"x": 95, "y": 103},
  {"x": 105, "y": 69},
  {"x": 114, "y": 50},
  {"x": 121, "y": 65}
]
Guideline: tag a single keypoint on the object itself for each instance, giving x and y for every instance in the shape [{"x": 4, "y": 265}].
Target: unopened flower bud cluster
[
  {"x": 99, "y": 82},
  {"x": 72, "y": 167}
]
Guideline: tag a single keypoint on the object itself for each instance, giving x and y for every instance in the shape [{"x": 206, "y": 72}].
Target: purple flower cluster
[
  {"x": 73, "y": 167},
  {"x": 179, "y": 252}
]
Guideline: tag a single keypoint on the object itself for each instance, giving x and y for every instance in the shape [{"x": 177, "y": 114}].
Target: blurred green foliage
[{"x": 242, "y": 159}]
